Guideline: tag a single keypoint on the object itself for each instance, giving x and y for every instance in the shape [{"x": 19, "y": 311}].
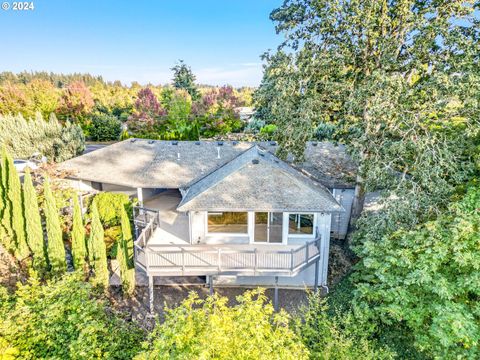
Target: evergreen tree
[
  {"x": 183, "y": 78},
  {"x": 55, "y": 247},
  {"x": 18, "y": 221},
  {"x": 79, "y": 245},
  {"x": 125, "y": 254},
  {"x": 6, "y": 210},
  {"x": 98, "y": 254},
  {"x": 33, "y": 224}
]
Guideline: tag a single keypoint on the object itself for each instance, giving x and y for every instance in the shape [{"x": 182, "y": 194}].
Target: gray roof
[
  {"x": 326, "y": 162},
  {"x": 257, "y": 180},
  {"x": 152, "y": 164},
  {"x": 161, "y": 164}
]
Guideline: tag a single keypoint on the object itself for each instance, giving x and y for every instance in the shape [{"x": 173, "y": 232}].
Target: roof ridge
[{"x": 228, "y": 163}]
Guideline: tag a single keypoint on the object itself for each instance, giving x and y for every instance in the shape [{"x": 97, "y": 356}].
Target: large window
[
  {"x": 228, "y": 222},
  {"x": 300, "y": 224}
]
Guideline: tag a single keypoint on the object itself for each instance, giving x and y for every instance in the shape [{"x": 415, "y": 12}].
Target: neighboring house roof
[
  {"x": 325, "y": 162},
  {"x": 161, "y": 164},
  {"x": 257, "y": 180}
]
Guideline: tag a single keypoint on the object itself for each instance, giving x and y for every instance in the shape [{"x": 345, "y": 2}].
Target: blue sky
[{"x": 141, "y": 40}]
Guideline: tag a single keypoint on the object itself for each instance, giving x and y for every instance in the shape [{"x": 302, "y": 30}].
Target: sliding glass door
[{"x": 268, "y": 227}]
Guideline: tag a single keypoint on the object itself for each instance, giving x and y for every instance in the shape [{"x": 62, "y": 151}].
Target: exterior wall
[
  {"x": 305, "y": 278},
  {"x": 340, "y": 221}
]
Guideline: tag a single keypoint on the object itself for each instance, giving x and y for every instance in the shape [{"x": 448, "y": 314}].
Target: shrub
[
  {"x": 63, "y": 319},
  {"x": 267, "y": 131},
  {"x": 336, "y": 337},
  {"x": 209, "y": 329},
  {"x": 22, "y": 138},
  {"x": 105, "y": 127},
  {"x": 426, "y": 280},
  {"x": 109, "y": 207}
]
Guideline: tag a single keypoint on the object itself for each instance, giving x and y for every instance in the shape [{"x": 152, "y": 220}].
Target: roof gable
[{"x": 257, "y": 180}]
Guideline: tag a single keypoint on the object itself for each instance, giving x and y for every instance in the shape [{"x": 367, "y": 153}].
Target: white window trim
[
  {"x": 252, "y": 235},
  {"x": 245, "y": 234},
  {"x": 296, "y": 236}
]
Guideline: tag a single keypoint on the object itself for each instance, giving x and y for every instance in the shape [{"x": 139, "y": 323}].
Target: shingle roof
[
  {"x": 153, "y": 164},
  {"x": 161, "y": 164},
  {"x": 257, "y": 180}
]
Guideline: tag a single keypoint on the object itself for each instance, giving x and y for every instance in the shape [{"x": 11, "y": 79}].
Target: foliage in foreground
[
  {"x": 427, "y": 280},
  {"x": 65, "y": 319},
  {"x": 334, "y": 336},
  {"x": 209, "y": 329}
]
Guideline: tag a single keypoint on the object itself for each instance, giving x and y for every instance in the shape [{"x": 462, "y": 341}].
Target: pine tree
[
  {"x": 55, "y": 246},
  {"x": 79, "y": 245},
  {"x": 98, "y": 254},
  {"x": 125, "y": 254},
  {"x": 33, "y": 224},
  {"x": 16, "y": 201},
  {"x": 6, "y": 208}
]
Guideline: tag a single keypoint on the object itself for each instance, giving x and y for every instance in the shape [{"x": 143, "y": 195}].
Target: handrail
[{"x": 223, "y": 259}]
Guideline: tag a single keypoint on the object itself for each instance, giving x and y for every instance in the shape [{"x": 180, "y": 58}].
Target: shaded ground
[
  {"x": 10, "y": 272},
  {"x": 289, "y": 299}
]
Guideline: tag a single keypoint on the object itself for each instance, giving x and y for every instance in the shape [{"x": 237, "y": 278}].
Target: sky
[{"x": 141, "y": 40}]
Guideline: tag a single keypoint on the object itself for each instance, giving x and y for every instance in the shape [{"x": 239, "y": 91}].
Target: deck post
[
  {"x": 150, "y": 294},
  {"x": 210, "y": 283},
  {"x": 275, "y": 295},
  {"x": 317, "y": 268}
]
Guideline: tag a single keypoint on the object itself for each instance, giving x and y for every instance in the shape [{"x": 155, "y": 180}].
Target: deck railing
[
  {"x": 146, "y": 222},
  {"x": 229, "y": 259}
]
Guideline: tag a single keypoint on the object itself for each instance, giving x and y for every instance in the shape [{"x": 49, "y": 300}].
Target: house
[{"x": 229, "y": 211}]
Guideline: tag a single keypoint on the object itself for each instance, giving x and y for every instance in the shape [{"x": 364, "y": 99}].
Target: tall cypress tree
[
  {"x": 55, "y": 246},
  {"x": 6, "y": 212},
  {"x": 18, "y": 221},
  {"x": 79, "y": 245},
  {"x": 98, "y": 255},
  {"x": 33, "y": 224},
  {"x": 125, "y": 254}
]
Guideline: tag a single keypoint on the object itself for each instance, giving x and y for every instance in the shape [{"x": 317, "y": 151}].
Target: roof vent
[
  {"x": 255, "y": 161},
  {"x": 174, "y": 142},
  {"x": 220, "y": 143},
  {"x": 314, "y": 143},
  {"x": 133, "y": 140},
  {"x": 273, "y": 143},
  {"x": 197, "y": 142},
  {"x": 234, "y": 143},
  {"x": 261, "y": 153},
  {"x": 151, "y": 141}
]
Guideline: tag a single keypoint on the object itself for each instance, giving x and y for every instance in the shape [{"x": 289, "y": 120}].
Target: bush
[
  {"x": 105, "y": 127},
  {"x": 209, "y": 329},
  {"x": 22, "y": 138},
  {"x": 63, "y": 319},
  {"x": 336, "y": 337},
  {"x": 426, "y": 281},
  {"x": 109, "y": 207}
]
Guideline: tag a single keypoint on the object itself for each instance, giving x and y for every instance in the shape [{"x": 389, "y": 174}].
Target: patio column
[
  {"x": 275, "y": 295},
  {"x": 140, "y": 196},
  {"x": 150, "y": 294}
]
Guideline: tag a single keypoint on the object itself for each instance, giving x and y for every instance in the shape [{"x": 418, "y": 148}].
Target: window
[
  {"x": 300, "y": 224},
  {"x": 228, "y": 222}
]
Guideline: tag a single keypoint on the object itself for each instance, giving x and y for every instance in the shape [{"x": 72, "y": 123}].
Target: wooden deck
[{"x": 159, "y": 253}]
